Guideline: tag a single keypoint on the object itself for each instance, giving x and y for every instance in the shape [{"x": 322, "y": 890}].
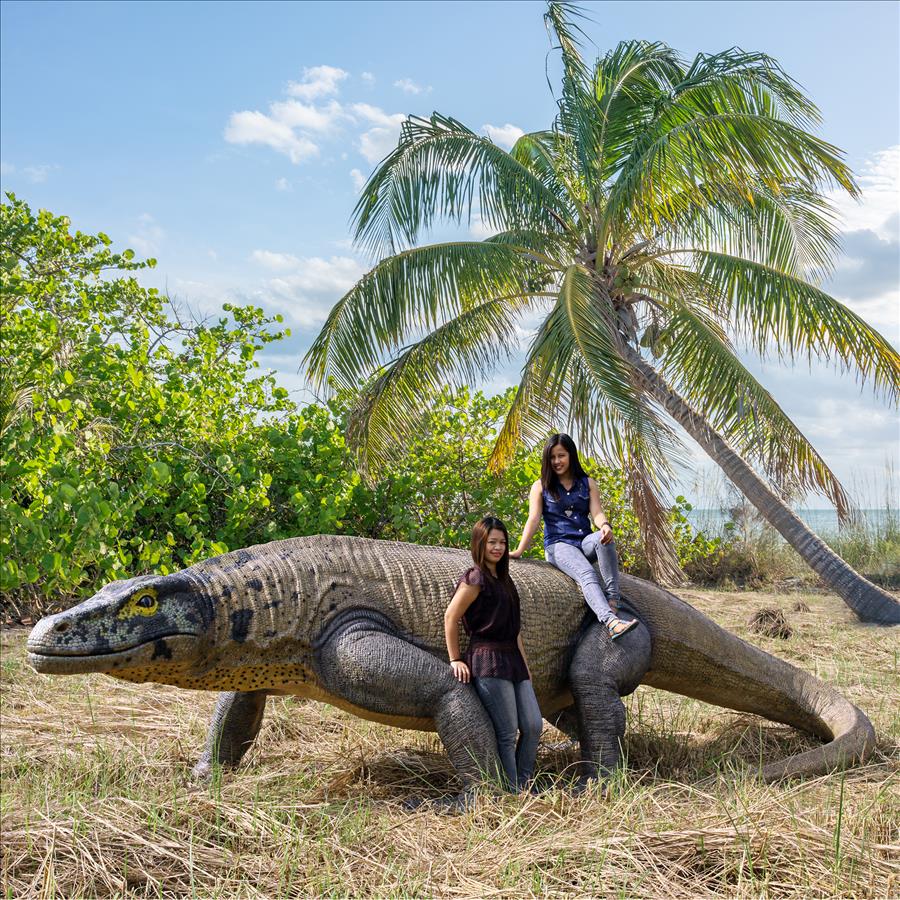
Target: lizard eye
[{"x": 142, "y": 602}]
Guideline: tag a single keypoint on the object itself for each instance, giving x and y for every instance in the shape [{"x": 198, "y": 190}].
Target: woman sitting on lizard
[{"x": 569, "y": 502}]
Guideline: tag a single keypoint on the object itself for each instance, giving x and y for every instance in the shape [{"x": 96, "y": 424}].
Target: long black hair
[
  {"x": 549, "y": 478},
  {"x": 480, "y": 535}
]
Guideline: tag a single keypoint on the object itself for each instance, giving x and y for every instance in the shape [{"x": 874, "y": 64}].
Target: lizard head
[{"x": 149, "y": 624}]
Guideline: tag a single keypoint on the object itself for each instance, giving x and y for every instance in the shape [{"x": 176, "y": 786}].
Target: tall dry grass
[
  {"x": 97, "y": 802},
  {"x": 754, "y": 554}
]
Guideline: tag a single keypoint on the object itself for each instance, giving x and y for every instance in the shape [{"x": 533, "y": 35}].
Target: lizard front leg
[
  {"x": 371, "y": 666},
  {"x": 235, "y": 723}
]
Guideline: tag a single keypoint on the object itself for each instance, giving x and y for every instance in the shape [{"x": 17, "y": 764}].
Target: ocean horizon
[{"x": 712, "y": 520}]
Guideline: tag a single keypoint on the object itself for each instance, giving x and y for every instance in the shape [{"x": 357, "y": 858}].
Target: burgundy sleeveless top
[{"x": 492, "y": 623}]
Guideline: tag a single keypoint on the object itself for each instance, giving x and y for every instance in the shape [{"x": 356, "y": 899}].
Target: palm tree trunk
[{"x": 868, "y": 601}]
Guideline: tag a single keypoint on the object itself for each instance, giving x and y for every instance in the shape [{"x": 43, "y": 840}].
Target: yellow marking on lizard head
[{"x": 142, "y": 602}]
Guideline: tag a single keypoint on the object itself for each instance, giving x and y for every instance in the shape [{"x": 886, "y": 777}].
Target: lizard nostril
[{"x": 62, "y": 626}]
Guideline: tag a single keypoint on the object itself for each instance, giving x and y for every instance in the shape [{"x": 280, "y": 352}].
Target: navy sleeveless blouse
[{"x": 569, "y": 518}]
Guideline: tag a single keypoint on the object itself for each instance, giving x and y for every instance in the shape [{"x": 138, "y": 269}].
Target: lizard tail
[{"x": 694, "y": 657}]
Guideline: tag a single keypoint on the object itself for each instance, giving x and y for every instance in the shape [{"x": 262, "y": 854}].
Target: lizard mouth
[{"x": 157, "y": 650}]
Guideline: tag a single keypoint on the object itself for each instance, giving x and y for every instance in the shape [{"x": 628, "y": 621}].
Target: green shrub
[{"x": 134, "y": 442}]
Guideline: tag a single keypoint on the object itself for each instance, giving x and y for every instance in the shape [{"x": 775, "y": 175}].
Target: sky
[{"x": 229, "y": 140}]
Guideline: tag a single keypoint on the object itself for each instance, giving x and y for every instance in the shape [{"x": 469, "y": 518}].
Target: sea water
[{"x": 822, "y": 521}]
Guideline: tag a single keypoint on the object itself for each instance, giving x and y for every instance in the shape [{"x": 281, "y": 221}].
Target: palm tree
[{"x": 670, "y": 210}]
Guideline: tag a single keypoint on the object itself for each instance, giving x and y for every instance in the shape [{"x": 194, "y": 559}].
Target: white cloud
[
  {"x": 867, "y": 275},
  {"x": 368, "y": 78},
  {"x": 867, "y": 279},
  {"x": 149, "y": 236},
  {"x": 408, "y": 86},
  {"x": 282, "y": 184},
  {"x": 376, "y": 115},
  {"x": 504, "y": 135},
  {"x": 318, "y": 81},
  {"x": 879, "y": 208},
  {"x": 303, "y": 289},
  {"x": 295, "y": 114},
  {"x": 202, "y": 299},
  {"x": 377, "y": 142},
  {"x": 254, "y": 127},
  {"x": 280, "y": 262},
  {"x": 846, "y": 422},
  {"x": 880, "y": 312},
  {"x": 285, "y": 368},
  {"x": 307, "y": 290},
  {"x": 358, "y": 178},
  {"x": 295, "y": 128},
  {"x": 35, "y": 174}
]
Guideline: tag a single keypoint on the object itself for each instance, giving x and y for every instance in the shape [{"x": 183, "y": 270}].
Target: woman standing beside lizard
[
  {"x": 487, "y": 604},
  {"x": 569, "y": 501}
]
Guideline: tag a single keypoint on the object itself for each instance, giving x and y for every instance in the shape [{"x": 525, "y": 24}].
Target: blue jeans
[
  {"x": 577, "y": 564},
  {"x": 513, "y": 706}
]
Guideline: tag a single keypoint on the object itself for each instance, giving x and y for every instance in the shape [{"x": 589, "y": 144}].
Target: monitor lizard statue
[{"x": 359, "y": 623}]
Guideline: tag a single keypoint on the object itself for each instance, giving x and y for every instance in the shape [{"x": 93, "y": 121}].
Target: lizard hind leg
[{"x": 375, "y": 668}]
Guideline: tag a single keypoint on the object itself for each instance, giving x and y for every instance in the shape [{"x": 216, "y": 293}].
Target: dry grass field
[{"x": 97, "y": 799}]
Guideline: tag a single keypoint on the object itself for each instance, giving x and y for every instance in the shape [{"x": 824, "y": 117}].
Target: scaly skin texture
[{"x": 359, "y": 624}]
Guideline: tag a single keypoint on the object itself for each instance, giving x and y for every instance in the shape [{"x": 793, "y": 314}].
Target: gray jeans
[
  {"x": 513, "y": 707},
  {"x": 577, "y": 564}
]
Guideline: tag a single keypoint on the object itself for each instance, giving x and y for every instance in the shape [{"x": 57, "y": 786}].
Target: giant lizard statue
[{"x": 359, "y": 624}]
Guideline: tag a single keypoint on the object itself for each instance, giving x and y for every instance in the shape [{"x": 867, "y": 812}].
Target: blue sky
[{"x": 228, "y": 140}]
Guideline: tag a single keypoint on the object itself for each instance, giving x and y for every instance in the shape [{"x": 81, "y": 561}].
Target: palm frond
[
  {"x": 457, "y": 353},
  {"x": 566, "y": 382},
  {"x": 593, "y": 329},
  {"x": 578, "y": 116},
  {"x": 630, "y": 84},
  {"x": 769, "y": 307},
  {"x": 696, "y": 357},
  {"x": 545, "y": 374},
  {"x": 789, "y": 226},
  {"x": 713, "y": 81},
  {"x": 793, "y": 229},
  {"x": 441, "y": 170},
  {"x": 644, "y": 492},
  {"x": 553, "y": 249},
  {"x": 664, "y": 283},
  {"x": 672, "y": 166},
  {"x": 413, "y": 290},
  {"x": 15, "y": 401},
  {"x": 560, "y": 20},
  {"x": 551, "y": 157}
]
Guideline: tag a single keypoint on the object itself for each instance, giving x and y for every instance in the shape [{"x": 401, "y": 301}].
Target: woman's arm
[
  {"x": 598, "y": 517},
  {"x": 535, "y": 507},
  {"x": 463, "y": 598}
]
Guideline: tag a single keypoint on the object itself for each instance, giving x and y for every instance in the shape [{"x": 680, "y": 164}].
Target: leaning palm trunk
[{"x": 868, "y": 601}]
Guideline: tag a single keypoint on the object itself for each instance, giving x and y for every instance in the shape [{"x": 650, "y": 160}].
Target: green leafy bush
[{"x": 133, "y": 441}]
